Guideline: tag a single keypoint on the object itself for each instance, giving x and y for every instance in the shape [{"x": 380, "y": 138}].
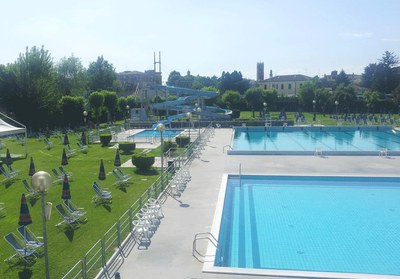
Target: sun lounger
[
  {"x": 102, "y": 196},
  {"x": 63, "y": 172},
  {"x": 20, "y": 251},
  {"x": 68, "y": 218},
  {"x": 31, "y": 192},
  {"x": 3, "y": 211},
  {"x": 75, "y": 211},
  {"x": 30, "y": 239},
  {"x": 82, "y": 148}
]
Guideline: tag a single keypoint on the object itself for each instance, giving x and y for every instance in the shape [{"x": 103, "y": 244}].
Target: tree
[
  {"x": 381, "y": 76},
  {"x": 232, "y": 99},
  {"x": 370, "y": 99},
  {"x": 322, "y": 98},
  {"x": 234, "y": 82},
  {"x": 96, "y": 101},
  {"x": 72, "y": 108},
  {"x": 342, "y": 78},
  {"x": 306, "y": 95},
  {"x": 34, "y": 97},
  {"x": 254, "y": 99},
  {"x": 346, "y": 97},
  {"x": 101, "y": 75},
  {"x": 71, "y": 76},
  {"x": 110, "y": 102}
]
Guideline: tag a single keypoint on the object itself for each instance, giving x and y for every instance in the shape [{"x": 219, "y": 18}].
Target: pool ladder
[{"x": 204, "y": 257}]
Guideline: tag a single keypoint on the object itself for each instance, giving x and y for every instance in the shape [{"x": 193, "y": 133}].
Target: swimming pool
[
  {"x": 306, "y": 140},
  {"x": 170, "y": 133},
  {"x": 327, "y": 227}
]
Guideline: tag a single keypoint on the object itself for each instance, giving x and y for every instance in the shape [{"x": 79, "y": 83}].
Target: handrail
[
  {"x": 204, "y": 236},
  {"x": 223, "y": 148}
]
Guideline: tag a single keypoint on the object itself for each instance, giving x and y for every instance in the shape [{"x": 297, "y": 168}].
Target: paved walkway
[{"x": 170, "y": 253}]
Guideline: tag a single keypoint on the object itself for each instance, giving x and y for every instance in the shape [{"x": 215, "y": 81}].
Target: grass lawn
[{"x": 65, "y": 248}]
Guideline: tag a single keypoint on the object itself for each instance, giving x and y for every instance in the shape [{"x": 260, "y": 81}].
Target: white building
[{"x": 286, "y": 85}]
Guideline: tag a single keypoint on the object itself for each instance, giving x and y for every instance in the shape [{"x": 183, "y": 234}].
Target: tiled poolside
[{"x": 170, "y": 253}]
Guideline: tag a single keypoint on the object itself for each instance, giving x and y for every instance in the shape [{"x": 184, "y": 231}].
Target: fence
[{"x": 108, "y": 253}]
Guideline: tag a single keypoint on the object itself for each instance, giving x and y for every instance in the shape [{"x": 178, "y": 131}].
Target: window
[
  {"x": 290, "y": 86},
  {"x": 282, "y": 86}
]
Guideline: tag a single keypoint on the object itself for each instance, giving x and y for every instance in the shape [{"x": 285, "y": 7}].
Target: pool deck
[{"x": 170, "y": 252}]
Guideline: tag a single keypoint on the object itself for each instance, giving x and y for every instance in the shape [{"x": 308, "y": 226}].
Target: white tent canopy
[{"x": 8, "y": 129}]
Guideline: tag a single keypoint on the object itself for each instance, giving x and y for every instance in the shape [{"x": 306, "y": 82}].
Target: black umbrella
[
  {"x": 66, "y": 140},
  {"x": 66, "y": 192},
  {"x": 24, "y": 215},
  {"x": 32, "y": 168},
  {"x": 117, "y": 161},
  {"x": 64, "y": 160},
  {"x": 102, "y": 172}
]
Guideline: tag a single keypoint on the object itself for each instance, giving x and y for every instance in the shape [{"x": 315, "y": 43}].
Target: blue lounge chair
[
  {"x": 68, "y": 218},
  {"x": 31, "y": 240},
  {"x": 21, "y": 252},
  {"x": 102, "y": 196}
]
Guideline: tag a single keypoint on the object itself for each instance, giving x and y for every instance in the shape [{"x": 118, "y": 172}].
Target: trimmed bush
[
  {"x": 235, "y": 113},
  {"x": 142, "y": 161},
  {"x": 105, "y": 139},
  {"x": 127, "y": 147},
  {"x": 182, "y": 141},
  {"x": 168, "y": 145}
]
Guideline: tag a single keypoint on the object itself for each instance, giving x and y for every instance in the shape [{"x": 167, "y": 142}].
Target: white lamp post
[
  {"x": 161, "y": 129},
  {"x": 336, "y": 104},
  {"x": 41, "y": 182},
  {"x": 84, "y": 117},
  {"x": 265, "y": 110},
  {"x": 127, "y": 116},
  {"x": 199, "y": 111},
  {"x": 189, "y": 115},
  {"x": 313, "y": 105}
]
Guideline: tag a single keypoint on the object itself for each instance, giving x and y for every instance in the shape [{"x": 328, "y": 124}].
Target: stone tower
[{"x": 260, "y": 71}]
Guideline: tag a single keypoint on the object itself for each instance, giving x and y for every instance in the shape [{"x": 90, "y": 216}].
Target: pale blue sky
[{"x": 310, "y": 37}]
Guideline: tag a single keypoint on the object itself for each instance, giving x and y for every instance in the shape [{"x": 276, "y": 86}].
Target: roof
[
  {"x": 8, "y": 129},
  {"x": 288, "y": 78}
]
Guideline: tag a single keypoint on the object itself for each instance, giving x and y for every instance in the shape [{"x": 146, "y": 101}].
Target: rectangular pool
[
  {"x": 167, "y": 134},
  {"x": 303, "y": 226},
  {"x": 306, "y": 140}
]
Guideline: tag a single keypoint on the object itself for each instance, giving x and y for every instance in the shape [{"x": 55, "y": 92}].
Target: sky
[{"x": 207, "y": 37}]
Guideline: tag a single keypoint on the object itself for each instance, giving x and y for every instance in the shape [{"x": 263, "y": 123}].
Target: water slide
[{"x": 186, "y": 102}]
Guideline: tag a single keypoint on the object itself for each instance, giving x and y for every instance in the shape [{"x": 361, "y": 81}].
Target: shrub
[
  {"x": 105, "y": 139},
  {"x": 235, "y": 113},
  {"x": 182, "y": 141},
  {"x": 142, "y": 161},
  {"x": 127, "y": 147},
  {"x": 168, "y": 145}
]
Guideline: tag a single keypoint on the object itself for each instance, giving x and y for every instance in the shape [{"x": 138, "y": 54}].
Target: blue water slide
[
  {"x": 185, "y": 91},
  {"x": 169, "y": 120}
]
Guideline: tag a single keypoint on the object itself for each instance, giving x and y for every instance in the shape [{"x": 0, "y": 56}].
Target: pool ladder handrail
[
  {"x": 207, "y": 236},
  {"x": 223, "y": 148}
]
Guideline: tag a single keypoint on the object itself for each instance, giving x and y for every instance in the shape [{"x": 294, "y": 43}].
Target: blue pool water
[
  {"x": 303, "y": 140},
  {"x": 322, "y": 224},
  {"x": 155, "y": 134}
]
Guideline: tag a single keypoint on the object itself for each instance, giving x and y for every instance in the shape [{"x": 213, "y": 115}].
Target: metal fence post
[
  {"x": 84, "y": 275},
  {"x": 119, "y": 233},
  {"x": 103, "y": 253}
]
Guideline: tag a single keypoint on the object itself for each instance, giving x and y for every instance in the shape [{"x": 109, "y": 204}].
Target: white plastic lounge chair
[
  {"x": 21, "y": 252},
  {"x": 30, "y": 239}
]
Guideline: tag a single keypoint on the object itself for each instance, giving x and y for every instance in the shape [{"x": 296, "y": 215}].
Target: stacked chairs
[
  {"x": 178, "y": 182},
  {"x": 146, "y": 222}
]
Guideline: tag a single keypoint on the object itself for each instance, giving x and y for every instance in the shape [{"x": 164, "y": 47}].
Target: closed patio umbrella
[
  {"x": 31, "y": 168},
  {"x": 117, "y": 161},
  {"x": 24, "y": 215},
  {"x": 102, "y": 172},
  {"x": 64, "y": 160},
  {"x": 8, "y": 161},
  {"x": 66, "y": 140},
  {"x": 66, "y": 192}
]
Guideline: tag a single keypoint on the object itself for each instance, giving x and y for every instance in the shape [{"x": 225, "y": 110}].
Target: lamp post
[
  {"x": 313, "y": 106},
  {"x": 127, "y": 116},
  {"x": 161, "y": 129},
  {"x": 41, "y": 182},
  {"x": 265, "y": 110},
  {"x": 85, "y": 113},
  {"x": 336, "y": 104},
  {"x": 199, "y": 111},
  {"x": 189, "y": 115}
]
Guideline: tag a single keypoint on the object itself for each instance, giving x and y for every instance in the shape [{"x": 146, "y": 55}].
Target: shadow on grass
[
  {"x": 25, "y": 274},
  {"x": 33, "y": 200},
  {"x": 69, "y": 233},
  {"x": 107, "y": 207},
  {"x": 147, "y": 172}
]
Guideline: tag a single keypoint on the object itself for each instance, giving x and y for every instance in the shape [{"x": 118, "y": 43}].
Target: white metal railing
[{"x": 97, "y": 262}]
